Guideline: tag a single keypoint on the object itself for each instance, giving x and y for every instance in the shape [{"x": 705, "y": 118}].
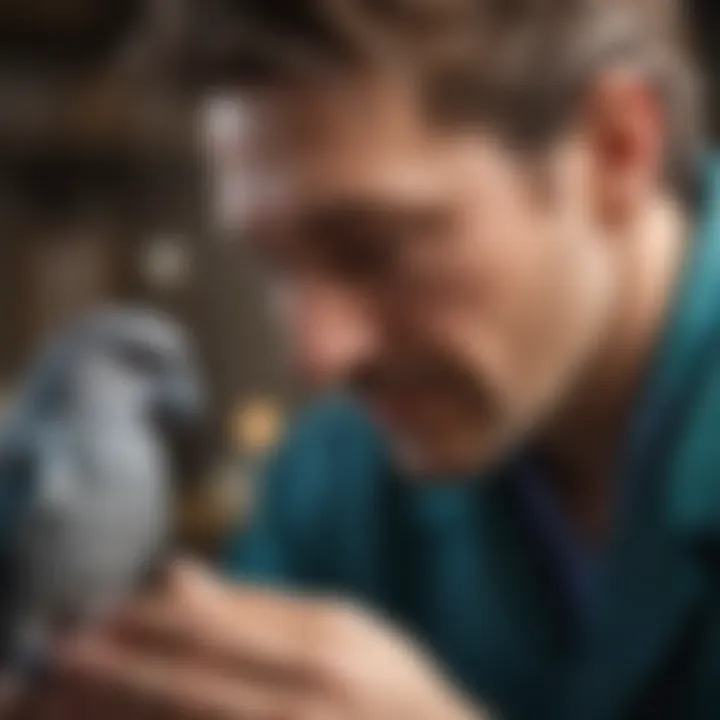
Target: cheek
[{"x": 495, "y": 302}]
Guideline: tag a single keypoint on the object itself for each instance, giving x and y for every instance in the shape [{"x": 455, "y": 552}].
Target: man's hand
[{"x": 206, "y": 650}]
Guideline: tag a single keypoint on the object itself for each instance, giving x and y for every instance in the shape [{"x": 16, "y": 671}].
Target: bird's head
[{"x": 153, "y": 361}]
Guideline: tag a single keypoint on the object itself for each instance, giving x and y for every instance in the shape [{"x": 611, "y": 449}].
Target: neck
[{"x": 583, "y": 441}]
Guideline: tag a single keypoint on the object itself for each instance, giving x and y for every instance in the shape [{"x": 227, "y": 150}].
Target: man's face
[{"x": 456, "y": 288}]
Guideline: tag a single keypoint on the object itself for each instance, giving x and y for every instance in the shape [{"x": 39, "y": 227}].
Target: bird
[{"x": 90, "y": 463}]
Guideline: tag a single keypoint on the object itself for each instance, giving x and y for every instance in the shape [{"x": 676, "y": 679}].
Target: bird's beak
[{"x": 183, "y": 419}]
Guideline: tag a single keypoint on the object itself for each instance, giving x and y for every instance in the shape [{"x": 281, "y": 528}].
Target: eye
[
  {"x": 364, "y": 242},
  {"x": 362, "y": 256},
  {"x": 141, "y": 359},
  {"x": 361, "y": 249}
]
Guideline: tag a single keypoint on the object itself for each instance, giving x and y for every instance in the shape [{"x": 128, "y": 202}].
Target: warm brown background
[{"x": 97, "y": 167}]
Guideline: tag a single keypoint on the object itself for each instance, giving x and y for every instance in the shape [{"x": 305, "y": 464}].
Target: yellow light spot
[{"x": 257, "y": 425}]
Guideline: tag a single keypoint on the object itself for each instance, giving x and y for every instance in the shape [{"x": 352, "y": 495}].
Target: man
[{"x": 490, "y": 231}]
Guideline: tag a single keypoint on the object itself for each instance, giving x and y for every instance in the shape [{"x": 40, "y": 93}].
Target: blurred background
[{"x": 104, "y": 195}]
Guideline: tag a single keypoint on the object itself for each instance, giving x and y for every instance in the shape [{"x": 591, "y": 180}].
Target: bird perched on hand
[{"x": 88, "y": 464}]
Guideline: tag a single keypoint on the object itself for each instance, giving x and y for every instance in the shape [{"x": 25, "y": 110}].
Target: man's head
[{"x": 444, "y": 191}]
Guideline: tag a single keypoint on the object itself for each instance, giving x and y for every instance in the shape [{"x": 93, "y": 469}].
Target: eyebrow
[
  {"x": 351, "y": 216},
  {"x": 345, "y": 218}
]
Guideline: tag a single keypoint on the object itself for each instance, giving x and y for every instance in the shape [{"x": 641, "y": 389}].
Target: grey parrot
[{"x": 88, "y": 463}]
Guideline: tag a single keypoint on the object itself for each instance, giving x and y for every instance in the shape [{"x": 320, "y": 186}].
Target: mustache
[
  {"x": 376, "y": 378},
  {"x": 379, "y": 378}
]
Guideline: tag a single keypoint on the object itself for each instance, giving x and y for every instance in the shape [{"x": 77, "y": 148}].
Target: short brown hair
[{"x": 522, "y": 64}]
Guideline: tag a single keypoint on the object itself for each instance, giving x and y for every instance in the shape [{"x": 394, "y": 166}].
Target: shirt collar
[{"x": 676, "y": 428}]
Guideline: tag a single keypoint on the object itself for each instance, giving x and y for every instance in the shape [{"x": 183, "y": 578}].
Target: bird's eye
[{"x": 141, "y": 359}]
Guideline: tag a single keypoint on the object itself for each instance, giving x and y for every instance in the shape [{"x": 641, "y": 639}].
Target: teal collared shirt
[{"x": 458, "y": 567}]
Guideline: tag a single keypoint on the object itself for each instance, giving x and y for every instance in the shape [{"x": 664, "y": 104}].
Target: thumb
[{"x": 193, "y": 583}]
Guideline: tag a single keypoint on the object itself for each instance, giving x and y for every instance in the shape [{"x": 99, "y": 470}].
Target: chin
[{"x": 434, "y": 463}]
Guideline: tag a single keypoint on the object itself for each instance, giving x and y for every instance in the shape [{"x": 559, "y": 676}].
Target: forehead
[
  {"x": 293, "y": 147},
  {"x": 297, "y": 123}
]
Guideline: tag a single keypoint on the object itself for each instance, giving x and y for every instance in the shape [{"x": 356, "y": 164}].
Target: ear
[{"x": 625, "y": 128}]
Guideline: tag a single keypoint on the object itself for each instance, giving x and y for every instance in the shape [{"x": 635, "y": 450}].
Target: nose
[{"x": 334, "y": 331}]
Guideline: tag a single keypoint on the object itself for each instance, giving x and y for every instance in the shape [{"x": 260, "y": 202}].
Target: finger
[
  {"x": 265, "y": 632},
  {"x": 182, "y": 689}
]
